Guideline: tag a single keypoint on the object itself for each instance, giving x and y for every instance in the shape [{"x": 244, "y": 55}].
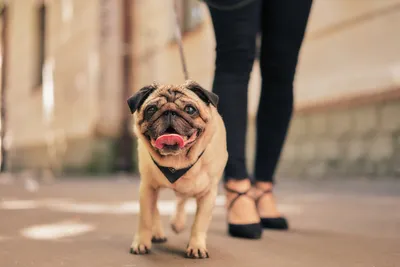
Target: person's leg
[
  {"x": 235, "y": 34},
  {"x": 283, "y": 27}
]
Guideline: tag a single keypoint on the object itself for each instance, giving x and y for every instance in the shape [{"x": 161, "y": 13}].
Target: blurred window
[{"x": 41, "y": 14}]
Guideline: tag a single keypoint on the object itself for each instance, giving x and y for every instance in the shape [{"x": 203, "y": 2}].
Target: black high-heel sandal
[
  {"x": 250, "y": 231},
  {"x": 278, "y": 223}
]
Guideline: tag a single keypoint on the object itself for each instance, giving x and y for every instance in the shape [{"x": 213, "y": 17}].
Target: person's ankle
[
  {"x": 266, "y": 207},
  {"x": 264, "y": 186},
  {"x": 238, "y": 185}
]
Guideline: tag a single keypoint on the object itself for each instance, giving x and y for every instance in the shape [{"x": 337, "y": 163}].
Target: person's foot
[
  {"x": 243, "y": 210},
  {"x": 266, "y": 204},
  {"x": 266, "y": 207},
  {"x": 243, "y": 218}
]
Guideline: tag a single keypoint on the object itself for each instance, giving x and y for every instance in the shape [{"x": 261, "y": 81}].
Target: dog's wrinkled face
[{"x": 172, "y": 118}]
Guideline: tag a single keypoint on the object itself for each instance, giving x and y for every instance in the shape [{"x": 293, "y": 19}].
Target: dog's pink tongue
[{"x": 170, "y": 139}]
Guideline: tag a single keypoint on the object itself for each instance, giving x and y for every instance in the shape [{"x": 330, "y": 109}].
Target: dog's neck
[{"x": 173, "y": 174}]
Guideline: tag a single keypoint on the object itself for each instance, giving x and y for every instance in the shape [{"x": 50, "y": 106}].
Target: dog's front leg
[
  {"x": 158, "y": 231},
  {"x": 142, "y": 241},
  {"x": 197, "y": 244}
]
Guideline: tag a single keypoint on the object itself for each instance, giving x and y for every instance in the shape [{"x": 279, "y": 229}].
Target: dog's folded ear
[
  {"x": 207, "y": 96},
  {"x": 137, "y": 100}
]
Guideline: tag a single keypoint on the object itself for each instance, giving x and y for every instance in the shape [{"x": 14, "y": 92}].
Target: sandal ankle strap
[
  {"x": 239, "y": 194},
  {"x": 264, "y": 192}
]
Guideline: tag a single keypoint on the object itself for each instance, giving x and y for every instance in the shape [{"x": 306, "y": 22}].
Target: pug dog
[{"x": 181, "y": 146}]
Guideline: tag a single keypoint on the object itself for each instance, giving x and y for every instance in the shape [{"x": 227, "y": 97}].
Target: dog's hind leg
[{"x": 179, "y": 218}]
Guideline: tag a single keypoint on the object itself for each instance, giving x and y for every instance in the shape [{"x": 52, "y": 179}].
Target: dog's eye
[
  {"x": 150, "y": 111},
  {"x": 189, "y": 109}
]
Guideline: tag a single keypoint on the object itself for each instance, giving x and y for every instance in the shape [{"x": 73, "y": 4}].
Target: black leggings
[{"x": 282, "y": 24}]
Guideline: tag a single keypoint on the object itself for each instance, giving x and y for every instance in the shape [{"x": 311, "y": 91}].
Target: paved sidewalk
[{"x": 86, "y": 222}]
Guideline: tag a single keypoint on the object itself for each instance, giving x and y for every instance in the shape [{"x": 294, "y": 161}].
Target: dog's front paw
[
  {"x": 197, "y": 250},
  {"x": 159, "y": 238},
  {"x": 140, "y": 246},
  {"x": 158, "y": 233}
]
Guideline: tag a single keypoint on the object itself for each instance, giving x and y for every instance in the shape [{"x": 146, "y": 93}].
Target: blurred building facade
[
  {"x": 71, "y": 64},
  {"x": 63, "y": 85}
]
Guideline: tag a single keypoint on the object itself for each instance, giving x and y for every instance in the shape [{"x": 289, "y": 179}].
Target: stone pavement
[{"x": 87, "y": 222}]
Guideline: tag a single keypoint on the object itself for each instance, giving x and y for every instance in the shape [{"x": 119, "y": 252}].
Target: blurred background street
[
  {"x": 68, "y": 182},
  {"x": 86, "y": 222}
]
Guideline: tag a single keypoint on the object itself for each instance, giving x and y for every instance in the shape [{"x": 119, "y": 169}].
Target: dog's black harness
[{"x": 173, "y": 174}]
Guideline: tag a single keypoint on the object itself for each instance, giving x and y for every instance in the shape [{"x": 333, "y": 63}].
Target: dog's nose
[{"x": 169, "y": 113}]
